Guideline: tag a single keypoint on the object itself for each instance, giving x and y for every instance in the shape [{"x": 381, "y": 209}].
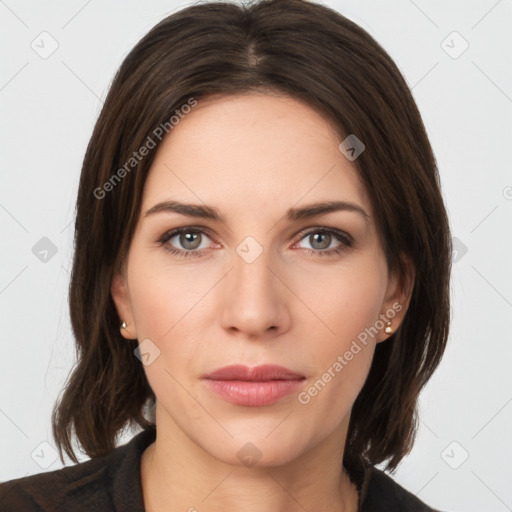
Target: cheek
[
  {"x": 163, "y": 294},
  {"x": 169, "y": 304},
  {"x": 344, "y": 300},
  {"x": 348, "y": 303}
]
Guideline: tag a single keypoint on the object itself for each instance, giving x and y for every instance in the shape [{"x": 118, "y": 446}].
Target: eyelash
[{"x": 340, "y": 236}]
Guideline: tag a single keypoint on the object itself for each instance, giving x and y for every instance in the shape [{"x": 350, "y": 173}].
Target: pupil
[
  {"x": 325, "y": 243},
  {"x": 190, "y": 238}
]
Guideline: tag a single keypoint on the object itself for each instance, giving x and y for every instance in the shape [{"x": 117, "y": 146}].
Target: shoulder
[
  {"x": 382, "y": 494},
  {"x": 109, "y": 482},
  {"x": 85, "y": 481}
]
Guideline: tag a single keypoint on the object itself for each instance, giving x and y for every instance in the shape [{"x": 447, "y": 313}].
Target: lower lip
[{"x": 254, "y": 394}]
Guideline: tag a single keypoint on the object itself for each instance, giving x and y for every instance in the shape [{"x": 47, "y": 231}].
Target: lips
[
  {"x": 261, "y": 373},
  {"x": 253, "y": 387}
]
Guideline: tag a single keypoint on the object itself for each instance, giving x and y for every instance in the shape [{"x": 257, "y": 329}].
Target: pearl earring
[
  {"x": 123, "y": 325},
  {"x": 388, "y": 329}
]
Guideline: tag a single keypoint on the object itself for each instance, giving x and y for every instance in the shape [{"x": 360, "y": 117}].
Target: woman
[{"x": 261, "y": 273}]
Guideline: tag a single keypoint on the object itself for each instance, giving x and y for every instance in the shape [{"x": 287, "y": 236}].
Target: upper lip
[{"x": 257, "y": 373}]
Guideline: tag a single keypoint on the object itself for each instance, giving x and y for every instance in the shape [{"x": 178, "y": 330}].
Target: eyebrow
[{"x": 293, "y": 214}]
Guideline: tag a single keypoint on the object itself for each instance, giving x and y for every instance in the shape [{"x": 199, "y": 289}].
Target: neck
[{"x": 179, "y": 475}]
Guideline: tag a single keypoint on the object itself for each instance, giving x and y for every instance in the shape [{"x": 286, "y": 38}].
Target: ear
[
  {"x": 121, "y": 298},
  {"x": 397, "y": 299}
]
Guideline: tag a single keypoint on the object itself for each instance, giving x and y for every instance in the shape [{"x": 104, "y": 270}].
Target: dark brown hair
[{"x": 311, "y": 53}]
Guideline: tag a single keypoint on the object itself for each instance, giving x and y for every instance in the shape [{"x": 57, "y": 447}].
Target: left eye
[{"x": 321, "y": 239}]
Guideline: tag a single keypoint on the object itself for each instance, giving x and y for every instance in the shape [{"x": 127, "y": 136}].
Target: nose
[{"x": 254, "y": 298}]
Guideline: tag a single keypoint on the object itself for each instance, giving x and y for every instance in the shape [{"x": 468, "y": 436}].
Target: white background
[{"x": 49, "y": 107}]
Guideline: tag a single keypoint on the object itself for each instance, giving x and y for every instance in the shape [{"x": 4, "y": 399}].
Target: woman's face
[{"x": 261, "y": 286}]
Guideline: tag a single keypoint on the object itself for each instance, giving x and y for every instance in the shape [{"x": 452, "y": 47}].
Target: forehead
[{"x": 254, "y": 150}]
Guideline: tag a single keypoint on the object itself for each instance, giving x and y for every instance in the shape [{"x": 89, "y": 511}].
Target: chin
[{"x": 259, "y": 449}]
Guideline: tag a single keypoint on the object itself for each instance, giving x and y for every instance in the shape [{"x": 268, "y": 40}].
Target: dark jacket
[{"x": 112, "y": 483}]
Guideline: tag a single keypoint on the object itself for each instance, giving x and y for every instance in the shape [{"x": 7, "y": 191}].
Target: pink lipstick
[{"x": 253, "y": 387}]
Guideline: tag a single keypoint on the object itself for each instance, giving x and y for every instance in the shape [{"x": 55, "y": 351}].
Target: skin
[{"x": 253, "y": 157}]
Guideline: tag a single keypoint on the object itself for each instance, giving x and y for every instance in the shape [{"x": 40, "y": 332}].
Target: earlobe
[
  {"x": 121, "y": 299},
  {"x": 397, "y": 300}
]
